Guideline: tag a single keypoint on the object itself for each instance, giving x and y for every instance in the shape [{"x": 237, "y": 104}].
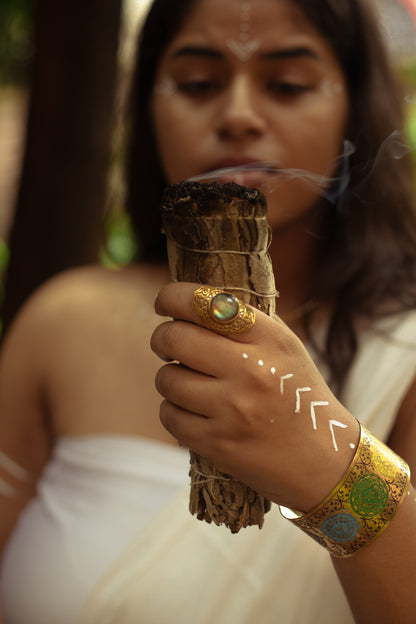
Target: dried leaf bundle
[{"x": 217, "y": 234}]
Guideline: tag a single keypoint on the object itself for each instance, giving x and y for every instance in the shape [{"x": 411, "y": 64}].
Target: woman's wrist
[{"x": 328, "y": 466}]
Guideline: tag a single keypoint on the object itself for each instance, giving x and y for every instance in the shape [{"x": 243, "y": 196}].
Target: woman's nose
[{"x": 241, "y": 114}]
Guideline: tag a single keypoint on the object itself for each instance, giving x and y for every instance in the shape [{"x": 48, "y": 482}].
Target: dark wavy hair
[{"x": 367, "y": 262}]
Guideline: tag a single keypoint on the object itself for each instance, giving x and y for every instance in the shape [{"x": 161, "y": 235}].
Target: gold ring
[{"x": 222, "y": 312}]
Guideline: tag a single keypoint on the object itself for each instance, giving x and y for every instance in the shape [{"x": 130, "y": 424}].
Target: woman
[{"x": 107, "y": 536}]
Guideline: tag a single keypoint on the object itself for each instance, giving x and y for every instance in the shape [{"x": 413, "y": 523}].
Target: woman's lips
[
  {"x": 245, "y": 178},
  {"x": 252, "y": 174}
]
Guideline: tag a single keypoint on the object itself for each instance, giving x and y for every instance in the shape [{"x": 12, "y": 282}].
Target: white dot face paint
[
  {"x": 273, "y": 370},
  {"x": 260, "y": 363},
  {"x": 166, "y": 86},
  {"x": 245, "y": 356},
  {"x": 243, "y": 50},
  {"x": 245, "y": 47},
  {"x": 330, "y": 88}
]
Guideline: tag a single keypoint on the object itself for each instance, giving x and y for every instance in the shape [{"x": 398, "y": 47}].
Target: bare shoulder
[
  {"x": 87, "y": 288},
  {"x": 74, "y": 338},
  {"x": 84, "y": 312},
  {"x": 87, "y": 298}
]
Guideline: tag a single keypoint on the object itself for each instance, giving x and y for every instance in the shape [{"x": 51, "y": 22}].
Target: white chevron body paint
[
  {"x": 282, "y": 381},
  {"x": 332, "y": 424},
  {"x": 313, "y": 415},
  {"x": 298, "y": 392}
]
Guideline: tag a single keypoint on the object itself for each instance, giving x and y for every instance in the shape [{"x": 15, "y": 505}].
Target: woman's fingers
[
  {"x": 191, "y": 430},
  {"x": 193, "y": 346},
  {"x": 187, "y": 389}
]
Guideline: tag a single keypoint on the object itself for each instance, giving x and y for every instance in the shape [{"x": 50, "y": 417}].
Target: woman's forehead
[
  {"x": 250, "y": 27},
  {"x": 243, "y": 16}
]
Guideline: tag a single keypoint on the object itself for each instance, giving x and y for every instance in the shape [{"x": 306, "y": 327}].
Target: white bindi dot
[
  {"x": 260, "y": 363},
  {"x": 273, "y": 370},
  {"x": 245, "y": 356},
  {"x": 352, "y": 446}
]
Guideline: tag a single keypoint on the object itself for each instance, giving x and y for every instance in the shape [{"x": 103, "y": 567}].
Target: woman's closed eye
[
  {"x": 287, "y": 89},
  {"x": 199, "y": 87}
]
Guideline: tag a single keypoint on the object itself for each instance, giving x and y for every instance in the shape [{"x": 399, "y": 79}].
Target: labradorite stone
[{"x": 224, "y": 307}]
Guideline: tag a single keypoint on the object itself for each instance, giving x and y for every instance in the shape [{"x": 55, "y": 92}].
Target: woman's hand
[{"x": 254, "y": 404}]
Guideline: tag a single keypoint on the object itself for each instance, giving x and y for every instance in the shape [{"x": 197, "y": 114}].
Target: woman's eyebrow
[
  {"x": 289, "y": 53},
  {"x": 199, "y": 51},
  {"x": 277, "y": 54}
]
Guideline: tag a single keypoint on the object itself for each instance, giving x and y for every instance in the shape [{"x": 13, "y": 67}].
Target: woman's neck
[{"x": 294, "y": 256}]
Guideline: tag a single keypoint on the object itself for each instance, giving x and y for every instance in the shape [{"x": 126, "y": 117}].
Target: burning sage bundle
[{"x": 217, "y": 235}]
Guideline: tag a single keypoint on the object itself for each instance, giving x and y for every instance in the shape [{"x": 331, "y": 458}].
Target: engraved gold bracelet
[{"x": 362, "y": 505}]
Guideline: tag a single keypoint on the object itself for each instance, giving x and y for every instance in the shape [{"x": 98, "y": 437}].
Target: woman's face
[{"x": 251, "y": 81}]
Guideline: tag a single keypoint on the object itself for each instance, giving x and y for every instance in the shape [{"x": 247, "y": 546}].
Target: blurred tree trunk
[{"x": 63, "y": 185}]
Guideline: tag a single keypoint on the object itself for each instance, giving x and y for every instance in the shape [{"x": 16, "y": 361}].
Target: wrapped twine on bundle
[{"x": 217, "y": 235}]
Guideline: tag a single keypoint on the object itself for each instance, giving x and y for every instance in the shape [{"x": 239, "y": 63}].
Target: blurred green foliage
[
  {"x": 120, "y": 247},
  {"x": 407, "y": 74},
  {"x": 411, "y": 124},
  {"x": 4, "y": 259},
  {"x": 16, "y": 40}
]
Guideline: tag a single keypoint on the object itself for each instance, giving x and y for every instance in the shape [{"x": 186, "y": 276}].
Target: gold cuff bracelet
[{"x": 363, "y": 504}]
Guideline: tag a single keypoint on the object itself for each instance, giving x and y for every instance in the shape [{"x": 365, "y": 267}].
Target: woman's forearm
[{"x": 380, "y": 580}]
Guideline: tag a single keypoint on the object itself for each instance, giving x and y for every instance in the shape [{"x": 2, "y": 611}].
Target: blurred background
[{"x": 64, "y": 75}]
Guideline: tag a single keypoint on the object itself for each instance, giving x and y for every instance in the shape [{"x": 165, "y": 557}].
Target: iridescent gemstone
[{"x": 224, "y": 307}]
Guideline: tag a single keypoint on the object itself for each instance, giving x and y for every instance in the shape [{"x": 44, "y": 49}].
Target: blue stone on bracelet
[
  {"x": 224, "y": 307},
  {"x": 341, "y": 527}
]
